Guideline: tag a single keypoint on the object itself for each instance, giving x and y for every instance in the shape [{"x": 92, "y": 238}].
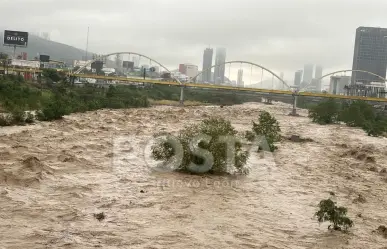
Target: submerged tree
[
  {"x": 204, "y": 148},
  {"x": 267, "y": 127},
  {"x": 336, "y": 215},
  {"x": 326, "y": 112}
]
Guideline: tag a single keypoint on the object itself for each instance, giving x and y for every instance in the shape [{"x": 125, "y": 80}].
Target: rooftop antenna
[{"x": 87, "y": 42}]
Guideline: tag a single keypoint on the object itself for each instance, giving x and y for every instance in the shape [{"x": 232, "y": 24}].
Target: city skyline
[{"x": 283, "y": 43}]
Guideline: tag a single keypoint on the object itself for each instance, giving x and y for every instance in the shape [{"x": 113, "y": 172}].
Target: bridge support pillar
[
  {"x": 267, "y": 100},
  {"x": 294, "y": 111},
  {"x": 182, "y": 95}
]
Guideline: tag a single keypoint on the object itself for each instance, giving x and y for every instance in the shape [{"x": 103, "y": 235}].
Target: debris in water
[
  {"x": 99, "y": 216},
  {"x": 360, "y": 199},
  {"x": 383, "y": 231},
  {"x": 370, "y": 159},
  {"x": 298, "y": 139}
]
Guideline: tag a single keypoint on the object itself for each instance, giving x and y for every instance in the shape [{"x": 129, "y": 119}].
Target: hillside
[{"x": 57, "y": 51}]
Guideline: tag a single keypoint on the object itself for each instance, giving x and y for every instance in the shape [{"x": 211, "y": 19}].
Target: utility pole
[
  {"x": 14, "y": 52},
  {"x": 87, "y": 43}
]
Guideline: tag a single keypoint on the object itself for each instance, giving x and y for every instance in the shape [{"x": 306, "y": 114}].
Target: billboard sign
[
  {"x": 44, "y": 58},
  {"x": 15, "y": 38}
]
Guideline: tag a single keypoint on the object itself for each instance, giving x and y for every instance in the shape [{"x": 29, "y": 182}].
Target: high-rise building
[
  {"x": 317, "y": 75},
  {"x": 220, "y": 59},
  {"x": 207, "y": 63},
  {"x": 191, "y": 70},
  {"x": 370, "y": 54},
  {"x": 118, "y": 61},
  {"x": 157, "y": 69},
  {"x": 308, "y": 74},
  {"x": 297, "y": 78},
  {"x": 240, "y": 78},
  {"x": 338, "y": 83},
  {"x": 136, "y": 61},
  {"x": 182, "y": 68},
  {"x": 188, "y": 69}
]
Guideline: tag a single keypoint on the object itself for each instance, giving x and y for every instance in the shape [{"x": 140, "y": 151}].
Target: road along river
[{"x": 55, "y": 176}]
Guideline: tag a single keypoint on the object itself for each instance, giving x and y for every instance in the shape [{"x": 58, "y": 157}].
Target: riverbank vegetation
[
  {"x": 53, "y": 96},
  {"x": 354, "y": 114},
  {"x": 52, "y": 101}
]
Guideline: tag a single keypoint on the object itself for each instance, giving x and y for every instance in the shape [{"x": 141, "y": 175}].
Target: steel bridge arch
[
  {"x": 245, "y": 62},
  {"x": 133, "y": 53},
  {"x": 343, "y": 71}
]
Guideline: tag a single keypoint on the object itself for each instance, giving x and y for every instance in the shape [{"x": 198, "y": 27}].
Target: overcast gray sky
[{"x": 282, "y": 35}]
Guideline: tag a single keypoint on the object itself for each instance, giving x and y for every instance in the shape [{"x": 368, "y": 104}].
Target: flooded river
[{"x": 55, "y": 177}]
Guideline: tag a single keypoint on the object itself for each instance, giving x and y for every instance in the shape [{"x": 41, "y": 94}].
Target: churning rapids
[{"x": 55, "y": 176}]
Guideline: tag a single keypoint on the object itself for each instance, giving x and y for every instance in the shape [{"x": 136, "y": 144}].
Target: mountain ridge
[{"x": 56, "y": 50}]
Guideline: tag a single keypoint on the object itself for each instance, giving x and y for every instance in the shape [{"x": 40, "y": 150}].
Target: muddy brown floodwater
[{"x": 55, "y": 176}]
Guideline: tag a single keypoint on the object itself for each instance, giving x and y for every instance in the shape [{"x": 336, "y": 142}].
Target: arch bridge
[
  {"x": 274, "y": 75},
  {"x": 344, "y": 71},
  {"x": 194, "y": 78},
  {"x": 128, "y": 53},
  {"x": 288, "y": 90}
]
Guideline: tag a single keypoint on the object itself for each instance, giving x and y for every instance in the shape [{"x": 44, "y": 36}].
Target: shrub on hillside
[
  {"x": 199, "y": 155},
  {"x": 54, "y": 110},
  {"x": 250, "y": 136},
  {"x": 18, "y": 116},
  {"x": 375, "y": 127},
  {"x": 267, "y": 127},
  {"x": 29, "y": 118},
  {"x": 328, "y": 211},
  {"x": 325, "y": 112},
  {"x": 52, "y": 75},
  {"x": 357, "y": 113},
  {"x": 5, "y": 119},
  {"x": 361, "y": 114},
  {"x": 14, "y": 94}
]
